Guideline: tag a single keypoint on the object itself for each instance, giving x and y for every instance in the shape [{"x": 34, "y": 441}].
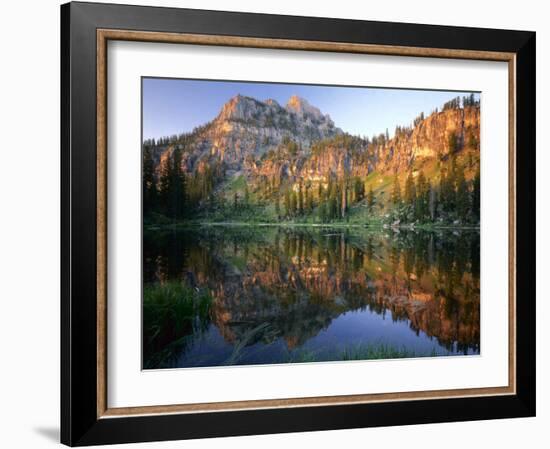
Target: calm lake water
[{"x": 259, "y": 295}]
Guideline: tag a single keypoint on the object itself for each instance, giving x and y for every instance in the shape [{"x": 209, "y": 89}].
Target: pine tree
[
  {"x": 396, "y": 192},
  {"x": 300, "y": 199},
  {"x": 149, "y": 182},
  {"x": 472, "y": 139},
  {"x": 278, "y": 206},
  {"x": 476, "y": 197},
  {"x": 453, "y": 142},
  {"x": 287, "y": 203},
  {"x": 164, "y": 187},
  {"x": 432, "y": 204},
  {"x": 358, "y": 189},
  {"x": 333, "y": 203},
  {"x": 172, "y": 186},
  {"x": 293, "y": 203},
  {"x": 410, "y": 190},
  {"x": 370, "y": 199},
  {"x": 177, "y": 187},
  {"x": 309, "y": 200},
  {"x": 462, "y": 195},
  {"x": 265, "y": 187},
  {"x": 422, "y": 197},
  {"x": 447, "y": 189},
  {"x": 344, "y": 198},
  {"x": 442, "y": 187},
  {"x": 246, "y": 195},
  {"x": 323, "y": 211}
]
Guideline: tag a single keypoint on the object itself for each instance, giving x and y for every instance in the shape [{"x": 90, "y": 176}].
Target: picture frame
[{"x": 86, "y": 30}]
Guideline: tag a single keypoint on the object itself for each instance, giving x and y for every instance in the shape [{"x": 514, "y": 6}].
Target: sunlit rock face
[
  {"x": 349, "y": 156},
  {"x": 303, "y": 109},
  {"x": 246, "y": 128},
  {"x": 428, "y": 139},
  {"x": 298, "y": 143}
]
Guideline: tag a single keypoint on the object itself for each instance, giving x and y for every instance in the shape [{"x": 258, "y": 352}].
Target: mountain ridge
[
  {"x": 248, "y": 127},
  {"x": 276, "y": 149}
]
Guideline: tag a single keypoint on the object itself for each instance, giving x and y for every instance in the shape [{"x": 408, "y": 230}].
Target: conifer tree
[
  {"x": 344, "y": 198},
  {"x": 410, "y": 190},
  {"x": 396, "y": 192},
  {"x": 453, "y": 142},
  {"x": 287, "y": 203},
  {"x": 462, "y": 195},
  {"x": 172, "y": 186},
  {"x": 447, "y": 189},
  {"x": 442, "y": 187},
  {"x": 432, "y": 205},
  {"x": 323, "y": 211},
  {"x": 278, "y": 206},
  {"x": 149, "y": 182},
  {"x": 358, "y": 189},
  {"x": 246, "y": 195},
  {"x": 177, "y": 186},
  {"x": 309, "y": 200},
  {"x": 293, "y": 203},
  {"x": 370, "y": 199},
  {"x": 476, "y": 197},
  {"x": 300, "y": 199},
  {"x": 422, "y": 197},
  {"x": 164, "y": 187},
  {"x": 333, "y": 203}
]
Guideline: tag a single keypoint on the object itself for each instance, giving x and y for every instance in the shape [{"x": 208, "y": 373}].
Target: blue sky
[{"x": 173, "y": 106}]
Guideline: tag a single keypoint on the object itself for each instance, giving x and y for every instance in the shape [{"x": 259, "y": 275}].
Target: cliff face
[
  {"x": 298, "y": 143},
  {"x": 345, "y": 155},
  {"x": 245, "y": 129},
  {"x": 430, "y": 138}
]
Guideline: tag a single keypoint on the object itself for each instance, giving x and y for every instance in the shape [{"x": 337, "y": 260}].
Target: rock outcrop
[{"x": 430, "y": 138}]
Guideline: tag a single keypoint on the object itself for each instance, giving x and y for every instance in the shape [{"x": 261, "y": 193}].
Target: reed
[
  {"x": 172, "y": 313},
  {"x": 360, "y": 351}
]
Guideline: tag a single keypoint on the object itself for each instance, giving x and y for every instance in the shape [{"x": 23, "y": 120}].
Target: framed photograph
[{"x": 280, "y": 224}]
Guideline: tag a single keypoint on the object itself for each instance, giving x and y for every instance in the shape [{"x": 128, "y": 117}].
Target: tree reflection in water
[{"x": 282, "y": 294}]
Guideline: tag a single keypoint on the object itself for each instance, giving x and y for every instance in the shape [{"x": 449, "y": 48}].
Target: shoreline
[{"x": 403, "y": 227}]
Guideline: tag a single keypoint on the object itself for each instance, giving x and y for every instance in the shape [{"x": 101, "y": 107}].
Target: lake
[{"x": 243, "y": 295}]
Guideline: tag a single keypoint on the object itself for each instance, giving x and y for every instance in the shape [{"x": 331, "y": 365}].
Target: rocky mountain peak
[
  {"x": 239, "y": 107},
  {"x": 272, "y": 102},
  {"x": 301, "y": 107},
  {"x": 245, "y": 129}
]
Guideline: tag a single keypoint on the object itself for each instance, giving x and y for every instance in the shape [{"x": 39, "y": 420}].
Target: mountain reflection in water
[{"x": 263, "y": 295}]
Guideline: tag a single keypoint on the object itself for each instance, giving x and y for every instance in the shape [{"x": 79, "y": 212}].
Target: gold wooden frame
[{"x": 103, "y": 36}]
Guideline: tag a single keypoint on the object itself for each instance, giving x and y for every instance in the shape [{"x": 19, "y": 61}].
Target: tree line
[
  {"x": 458, "y": 102},
  {"x": 172, "y": 192},
  {"x": 452, "y": 198},
  {"x": 330, "y": 202}
]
